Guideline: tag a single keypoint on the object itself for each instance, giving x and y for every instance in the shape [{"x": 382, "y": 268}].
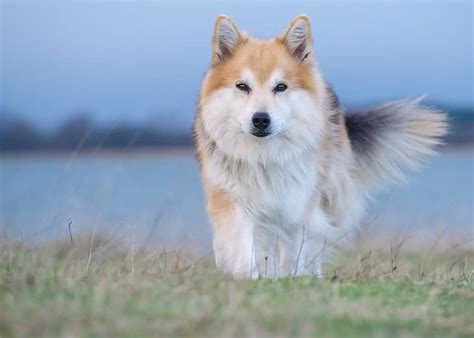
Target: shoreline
[
  {"x": 154, "y": 152},
  {"x": 134, "y": 152}
]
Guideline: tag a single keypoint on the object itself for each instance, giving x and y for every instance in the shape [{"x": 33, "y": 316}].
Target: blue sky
[{"x": 144, "y": 60}]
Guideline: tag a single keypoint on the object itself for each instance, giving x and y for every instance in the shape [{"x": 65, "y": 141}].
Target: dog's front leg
[
  {"x": 234, "y": 245},
  {"x": 316, "y": 240}
]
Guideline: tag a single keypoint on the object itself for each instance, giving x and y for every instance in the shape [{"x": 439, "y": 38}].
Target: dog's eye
[
  {"x": 281, "y": 87},
  {"x": 243, "y": 87}
]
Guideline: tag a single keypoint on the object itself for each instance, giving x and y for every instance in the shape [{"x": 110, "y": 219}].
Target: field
[{"x": 92, "y": 287}]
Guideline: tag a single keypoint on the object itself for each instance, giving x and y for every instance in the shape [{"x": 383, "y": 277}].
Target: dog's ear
[
  {"x": 226, "y": 38},
  {"x": 298, "y": 39}
]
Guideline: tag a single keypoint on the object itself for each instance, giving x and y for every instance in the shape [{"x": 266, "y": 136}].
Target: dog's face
[{"x": 261, "y": 99}]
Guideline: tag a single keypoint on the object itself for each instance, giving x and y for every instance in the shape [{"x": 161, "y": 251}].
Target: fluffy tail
[{"x": 391, "y": 139}]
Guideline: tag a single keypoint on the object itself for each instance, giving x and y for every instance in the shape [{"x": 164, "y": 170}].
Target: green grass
[{"x": 103, "y": 290}]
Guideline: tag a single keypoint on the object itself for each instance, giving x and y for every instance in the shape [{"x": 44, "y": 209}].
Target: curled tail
[{"x": 393, "y": 138}]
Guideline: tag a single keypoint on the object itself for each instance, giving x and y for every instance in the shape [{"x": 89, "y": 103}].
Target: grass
[{"x": 97, "y": 288}]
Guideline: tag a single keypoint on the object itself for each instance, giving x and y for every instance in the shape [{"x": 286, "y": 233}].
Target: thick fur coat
[{"x": 285, "y": 169}]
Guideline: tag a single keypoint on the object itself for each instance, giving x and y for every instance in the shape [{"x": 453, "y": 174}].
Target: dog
[{"x": 285, "y": 169}]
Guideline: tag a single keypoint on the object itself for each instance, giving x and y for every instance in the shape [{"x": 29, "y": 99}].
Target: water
[{"x": 159, "y": 197}]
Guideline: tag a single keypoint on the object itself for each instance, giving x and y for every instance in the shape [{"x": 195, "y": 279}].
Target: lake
[{"x": 158, "y": 197}]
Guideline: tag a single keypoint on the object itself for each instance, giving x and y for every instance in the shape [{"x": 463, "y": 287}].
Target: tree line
[{"x": 81, "y": 133}]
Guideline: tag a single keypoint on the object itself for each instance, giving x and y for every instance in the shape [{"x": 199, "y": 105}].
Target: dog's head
[{"x": 262, "y": 99}]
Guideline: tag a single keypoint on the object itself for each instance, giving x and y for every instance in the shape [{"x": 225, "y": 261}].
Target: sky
[{"x": 142, "y": 61}]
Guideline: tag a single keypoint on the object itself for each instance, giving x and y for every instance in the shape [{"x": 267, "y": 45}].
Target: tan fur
[
  {"x": 219, "y": 206},
  {"x": 262, "y": 57}
]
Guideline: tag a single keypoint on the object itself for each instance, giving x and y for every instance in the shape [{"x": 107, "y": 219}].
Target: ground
[{"x": 92, "y": 287}]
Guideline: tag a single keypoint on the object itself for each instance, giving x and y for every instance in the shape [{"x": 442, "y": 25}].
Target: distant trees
[
  {"x": 82, "y": 134},
  {"x": 17, "y": 134},
  {"x": 461, "y": 127},
  {"x": 74, "y": 133}
]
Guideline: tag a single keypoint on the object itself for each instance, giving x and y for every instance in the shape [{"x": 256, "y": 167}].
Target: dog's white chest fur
[
  {"x": 272, "y": 203},
  {"x": 272, "y": 194}
]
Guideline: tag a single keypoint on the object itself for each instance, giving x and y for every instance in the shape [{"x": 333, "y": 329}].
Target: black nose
[{"x": 261, "y": 121}]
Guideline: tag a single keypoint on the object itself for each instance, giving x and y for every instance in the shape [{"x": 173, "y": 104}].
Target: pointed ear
[
  {"x": 225, "y": 40},
  {"x": 298, "y": 39}
]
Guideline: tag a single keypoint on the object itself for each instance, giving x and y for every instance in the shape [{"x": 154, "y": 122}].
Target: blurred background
[{"x": 97, "y": 100}]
